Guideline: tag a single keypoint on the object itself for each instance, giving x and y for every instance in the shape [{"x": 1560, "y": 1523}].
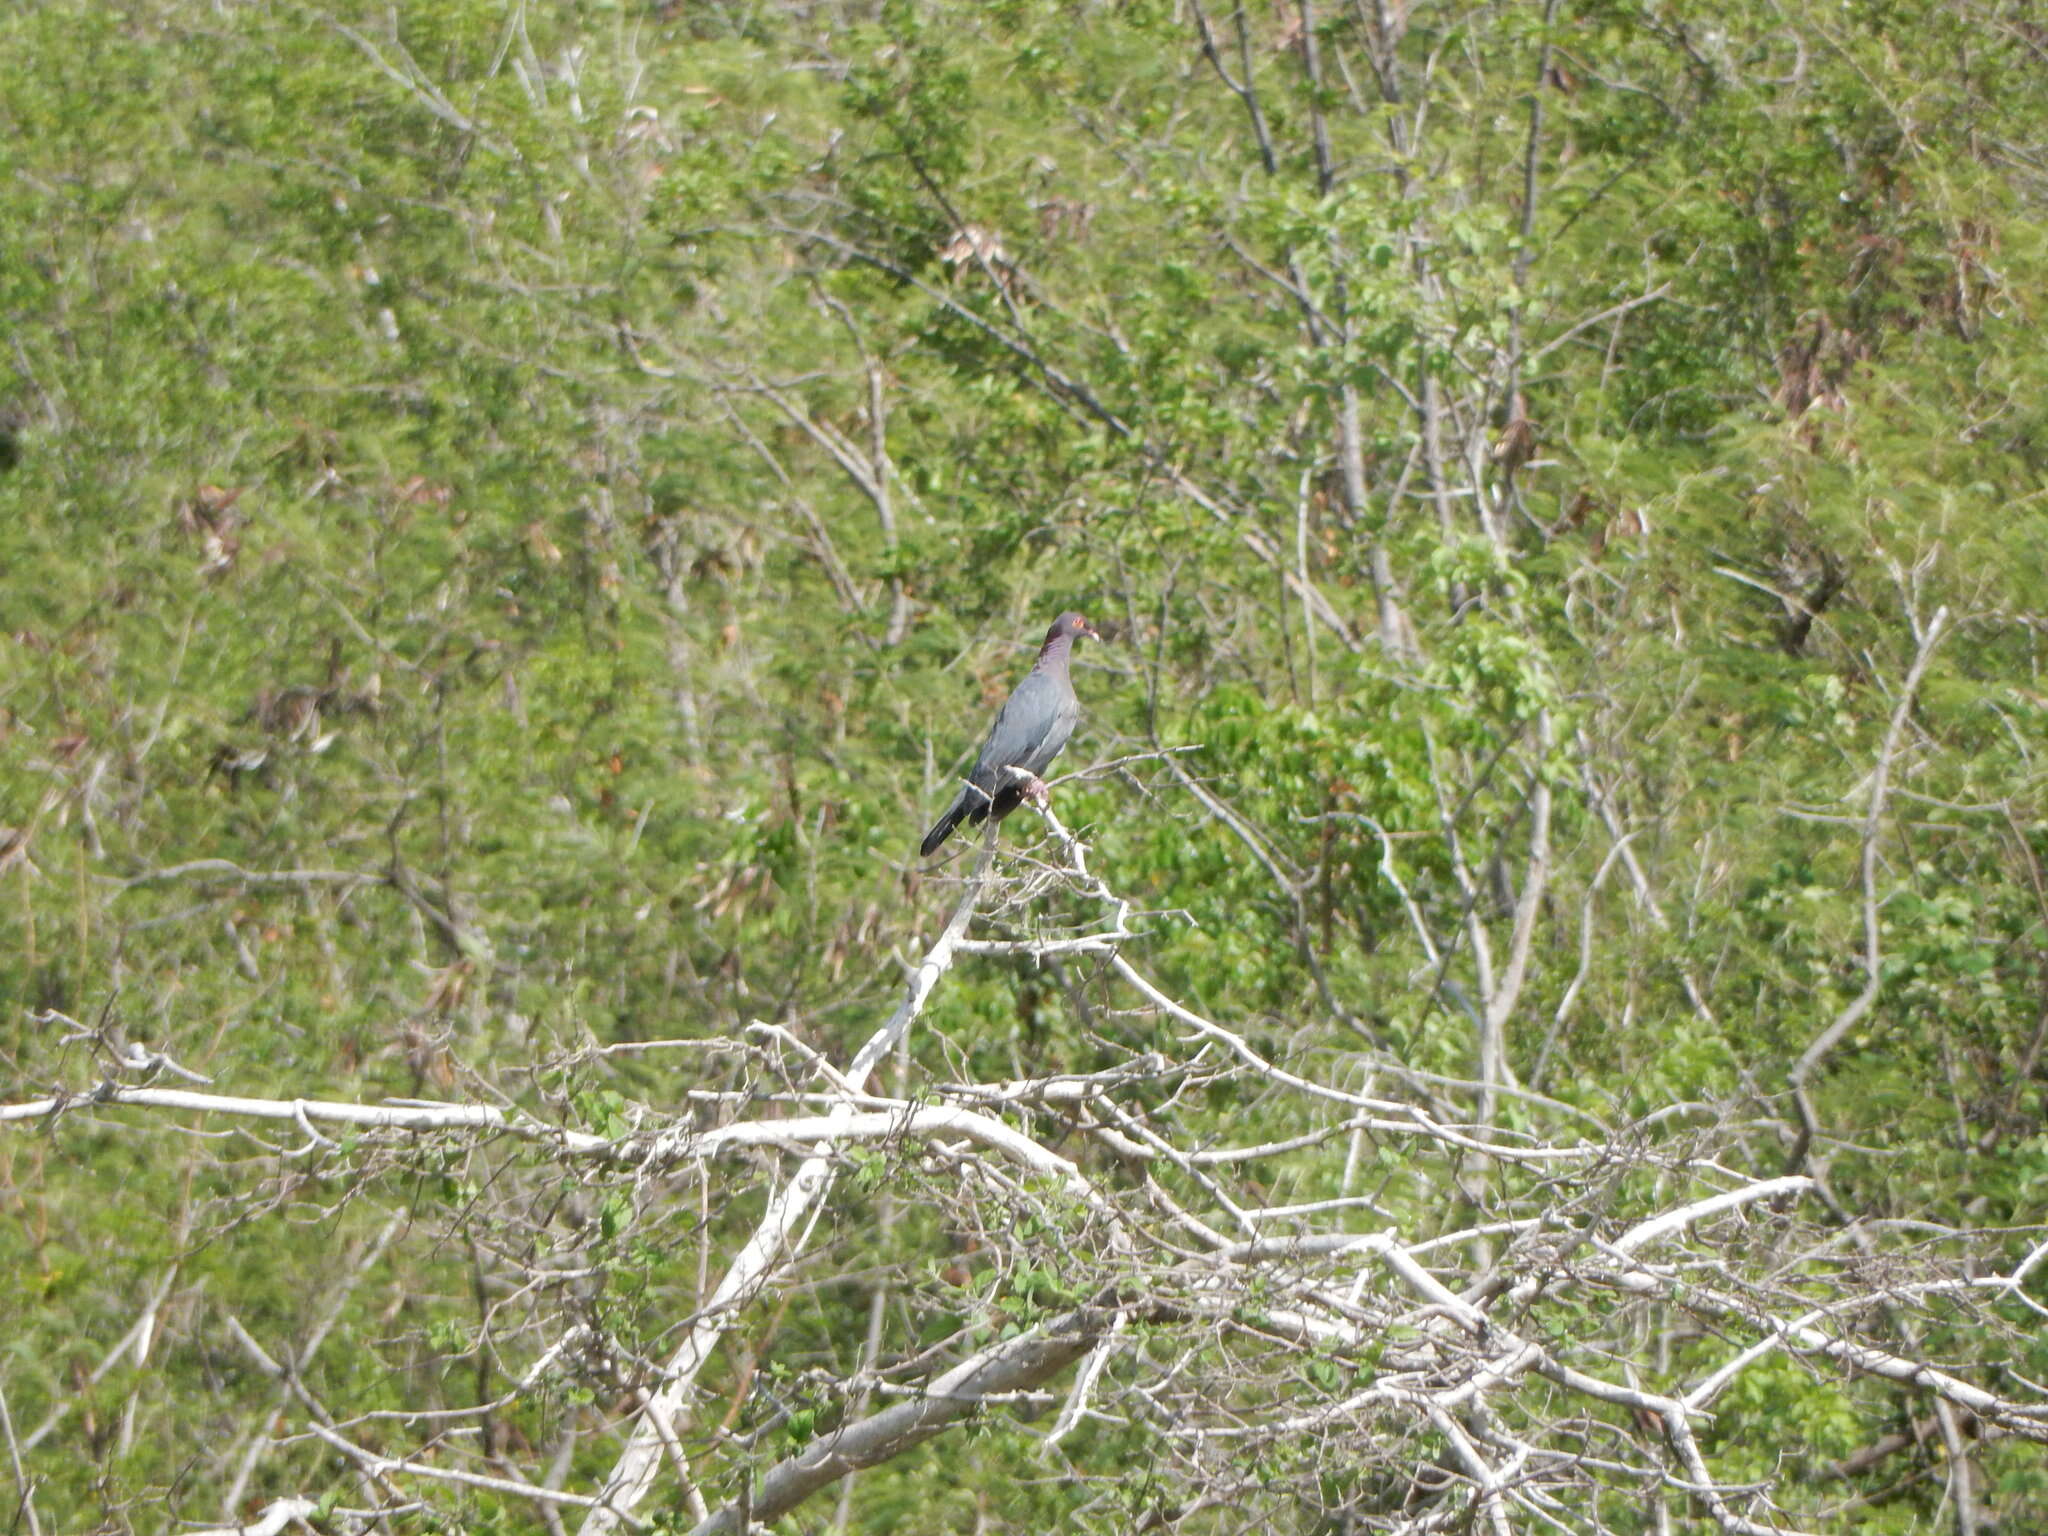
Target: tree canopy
[{"x": 1529, "y": 1010}]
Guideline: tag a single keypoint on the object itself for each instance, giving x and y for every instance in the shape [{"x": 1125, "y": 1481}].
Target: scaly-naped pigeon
[{"x": 1028, "y": 734}]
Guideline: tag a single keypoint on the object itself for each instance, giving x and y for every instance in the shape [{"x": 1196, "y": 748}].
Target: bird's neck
[{"x": 1053, "y": 654}]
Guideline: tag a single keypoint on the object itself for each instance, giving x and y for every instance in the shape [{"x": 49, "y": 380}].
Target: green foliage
[{"x": 453, "y": 578}]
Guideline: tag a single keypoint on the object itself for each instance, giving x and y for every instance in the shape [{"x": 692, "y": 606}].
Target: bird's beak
[{"x": 1090, "y": 630}]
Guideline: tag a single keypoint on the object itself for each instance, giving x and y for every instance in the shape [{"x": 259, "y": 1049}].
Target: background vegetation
[{"x": 512, "y": 516}]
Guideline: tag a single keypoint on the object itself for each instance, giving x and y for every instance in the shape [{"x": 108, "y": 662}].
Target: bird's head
[{"x": 1070, "y": 626}]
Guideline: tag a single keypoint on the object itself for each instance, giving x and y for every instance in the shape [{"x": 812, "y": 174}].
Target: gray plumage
[{"x": 1030, "y": 731}]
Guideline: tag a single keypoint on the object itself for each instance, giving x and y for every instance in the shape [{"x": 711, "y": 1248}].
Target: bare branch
[
  {"x": 1873, "y": 958},
  {"x": 634, "y": 1472},
  {"x": 1011, "y": 1366}
]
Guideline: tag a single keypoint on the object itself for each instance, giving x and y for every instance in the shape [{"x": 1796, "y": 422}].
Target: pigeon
[{"x": 1030, "y": 731}]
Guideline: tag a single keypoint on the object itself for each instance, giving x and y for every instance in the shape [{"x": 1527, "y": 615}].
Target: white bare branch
[{"x": 771, "y": 1245}]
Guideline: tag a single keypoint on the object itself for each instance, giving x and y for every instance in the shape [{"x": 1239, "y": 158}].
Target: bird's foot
[{"x": 1038, "y": 792}]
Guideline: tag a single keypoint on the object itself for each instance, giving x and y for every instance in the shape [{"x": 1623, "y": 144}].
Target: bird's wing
[
  {"x": 1054, "y": 741},
  {"x": 1029, "y": 732}
]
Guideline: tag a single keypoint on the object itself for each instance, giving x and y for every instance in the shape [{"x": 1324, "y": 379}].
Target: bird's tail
[
  {"x": 941, "y": 830},
  {"x": 943, "y": 827},
  {"x": 970, "y": 806}
]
